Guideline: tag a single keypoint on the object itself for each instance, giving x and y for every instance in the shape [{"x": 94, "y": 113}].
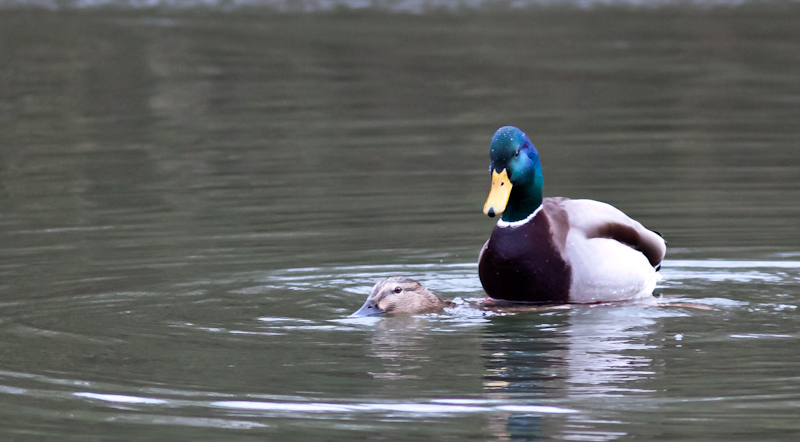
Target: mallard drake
[
  {"x": 558, "y": 250},
  {"x": 399, "y": 294}
]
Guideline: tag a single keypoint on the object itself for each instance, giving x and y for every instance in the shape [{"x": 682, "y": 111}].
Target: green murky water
[{"x": 193, "y": 201}]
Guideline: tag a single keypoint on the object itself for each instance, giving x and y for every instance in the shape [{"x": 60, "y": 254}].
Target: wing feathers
[{"x": 601, "y": 220}]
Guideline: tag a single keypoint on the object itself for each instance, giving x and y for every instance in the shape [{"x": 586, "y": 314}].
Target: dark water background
[{"x": 192, "y": 200}]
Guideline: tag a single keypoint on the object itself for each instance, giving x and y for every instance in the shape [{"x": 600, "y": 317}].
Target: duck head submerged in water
[{"x": 399, "y": 294}]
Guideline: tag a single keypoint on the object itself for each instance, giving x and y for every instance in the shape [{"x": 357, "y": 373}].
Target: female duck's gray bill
[{"x": 368, "y": 309}]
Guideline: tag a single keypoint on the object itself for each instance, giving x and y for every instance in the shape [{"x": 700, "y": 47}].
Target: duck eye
[{"x": 398, "y": 289}]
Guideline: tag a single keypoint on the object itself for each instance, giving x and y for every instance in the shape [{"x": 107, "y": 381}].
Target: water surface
[{"x": 194, "y": 200}]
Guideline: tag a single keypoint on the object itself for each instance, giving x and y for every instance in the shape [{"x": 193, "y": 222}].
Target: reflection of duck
[
  {"x": 579, "y": 358},
  {"x": 558, "y": 250}
]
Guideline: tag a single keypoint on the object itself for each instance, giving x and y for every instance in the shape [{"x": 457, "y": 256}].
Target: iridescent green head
[{"x": 516, "y": 175}]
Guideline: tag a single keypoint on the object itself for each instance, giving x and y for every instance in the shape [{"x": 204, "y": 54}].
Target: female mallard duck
[
  {"x": 558, "y": 250},
  {"x": 399, "y": 294}
]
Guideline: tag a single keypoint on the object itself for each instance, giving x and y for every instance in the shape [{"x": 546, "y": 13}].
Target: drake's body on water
[{"x": 558, "y": 250}]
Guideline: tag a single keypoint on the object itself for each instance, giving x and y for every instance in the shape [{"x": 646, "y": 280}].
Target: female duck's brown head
[{"x": 399, "y": 294}]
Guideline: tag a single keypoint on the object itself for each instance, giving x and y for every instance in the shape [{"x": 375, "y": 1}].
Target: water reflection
[
  {"x": 400, "y": 343},
  {"x": 607, "y": 347},
  {"x": 586, "y": 355},
  {"x": 517, "y": 365}
]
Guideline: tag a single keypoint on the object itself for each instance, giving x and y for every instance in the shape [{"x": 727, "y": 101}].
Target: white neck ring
[{"x": 504, "y": 224}]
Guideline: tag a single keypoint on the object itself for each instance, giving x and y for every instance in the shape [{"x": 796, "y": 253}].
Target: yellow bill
[{"x": 498, "y": 196}]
